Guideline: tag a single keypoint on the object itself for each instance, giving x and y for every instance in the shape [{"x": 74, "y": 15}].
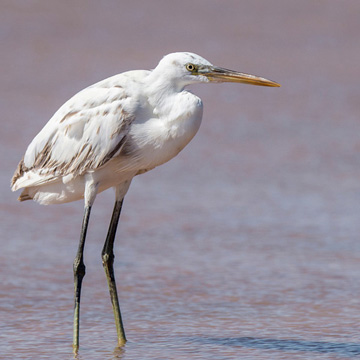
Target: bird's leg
[
  {"x": 79, "y": 273},
  {"x": 108, "y": 261}
]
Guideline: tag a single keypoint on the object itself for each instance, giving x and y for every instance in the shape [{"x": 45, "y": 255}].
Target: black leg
[
  {"x": 79, "y": 273},
  {"x": 108, "y": 261}
]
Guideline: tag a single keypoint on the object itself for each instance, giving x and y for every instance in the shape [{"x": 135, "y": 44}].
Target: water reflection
[{"x": 117, "y": 353}]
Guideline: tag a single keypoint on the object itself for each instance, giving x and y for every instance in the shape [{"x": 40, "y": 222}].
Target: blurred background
[{"x": 244, "y": 246}]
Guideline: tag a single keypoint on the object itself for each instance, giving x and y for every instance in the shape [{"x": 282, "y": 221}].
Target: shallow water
[{"x": 246, "y": 246}]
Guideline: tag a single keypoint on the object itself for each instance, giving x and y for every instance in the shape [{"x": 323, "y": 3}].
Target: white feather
[{"x": 145, "y": 111}]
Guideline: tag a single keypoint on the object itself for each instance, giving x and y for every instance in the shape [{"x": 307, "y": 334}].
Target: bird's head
[{"x": 185, "y": 68}]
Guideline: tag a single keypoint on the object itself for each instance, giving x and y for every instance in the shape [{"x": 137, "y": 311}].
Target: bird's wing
[{"x": 84, "y": 134}]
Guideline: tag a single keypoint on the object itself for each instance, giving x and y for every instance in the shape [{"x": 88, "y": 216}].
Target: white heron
[{"x": 110, "y": 132}]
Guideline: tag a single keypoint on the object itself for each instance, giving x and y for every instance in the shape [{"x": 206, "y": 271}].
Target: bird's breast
[{"x": 159, "y": 139}]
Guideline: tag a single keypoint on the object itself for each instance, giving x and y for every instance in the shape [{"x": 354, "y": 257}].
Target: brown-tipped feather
[
  {"x": 19, "y": 172},
  {"x": 24, "y": 196}
]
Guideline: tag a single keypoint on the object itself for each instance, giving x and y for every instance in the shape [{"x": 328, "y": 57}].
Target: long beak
[{"x": 217, "y": 74}]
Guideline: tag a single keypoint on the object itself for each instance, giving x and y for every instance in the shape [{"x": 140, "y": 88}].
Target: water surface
[{"x": 246, "y": 246}]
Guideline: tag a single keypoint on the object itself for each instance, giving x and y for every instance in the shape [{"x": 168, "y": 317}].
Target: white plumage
[{"x": 110, "y": 132}]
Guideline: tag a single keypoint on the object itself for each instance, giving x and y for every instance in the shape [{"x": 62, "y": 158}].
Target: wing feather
[{"x": 84, "y": 134}]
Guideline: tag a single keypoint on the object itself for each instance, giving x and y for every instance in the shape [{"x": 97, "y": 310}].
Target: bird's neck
[{"x": 161, "y": 90}]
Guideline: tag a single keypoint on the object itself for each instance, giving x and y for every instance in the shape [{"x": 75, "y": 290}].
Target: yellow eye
[{"x": 191, "y": 67}]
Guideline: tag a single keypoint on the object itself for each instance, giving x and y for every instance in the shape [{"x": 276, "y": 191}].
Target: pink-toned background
[{"x": 244, "y": 246}]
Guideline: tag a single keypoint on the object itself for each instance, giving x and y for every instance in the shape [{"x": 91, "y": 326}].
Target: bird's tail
[{"x": 24, "y": 196}]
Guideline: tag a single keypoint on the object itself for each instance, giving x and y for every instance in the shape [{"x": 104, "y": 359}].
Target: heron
[{"x": 107, "y": 134}]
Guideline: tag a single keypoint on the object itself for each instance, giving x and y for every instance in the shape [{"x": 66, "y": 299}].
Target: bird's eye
[{"x": 191, "y": 67}]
